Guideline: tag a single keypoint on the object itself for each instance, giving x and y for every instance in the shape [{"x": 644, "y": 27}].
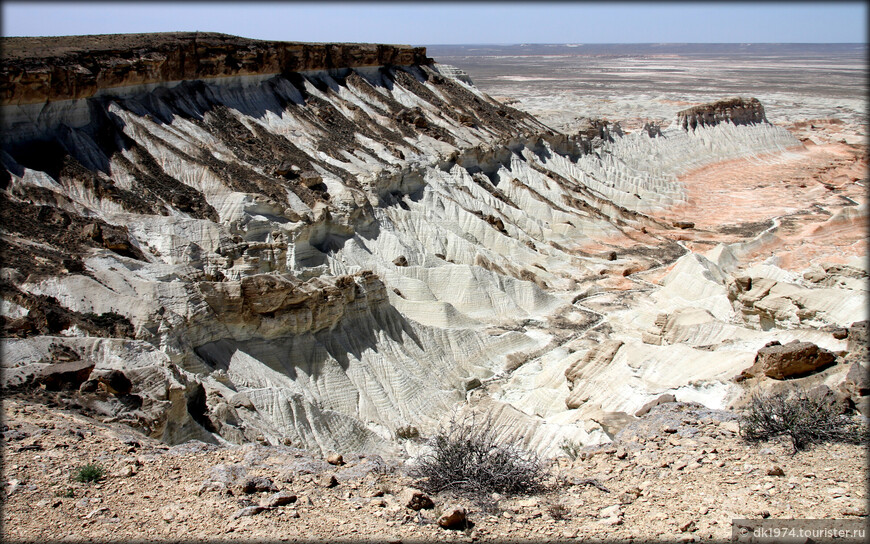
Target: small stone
[
  {"x": 282, "y": 498},
  {"x": 258, "y": 484},
  {"x": 416, "y": 499},
  {"x": 97, "y": 512},
  {"x": 730, "y": 426},
  {"x": 327, "y": 480},
  {"x": 854, "y": 511},
  {"x": 688, "y": 527},
  {"x": 610, "y": 511},
  {"x": 335, "y": 459},
  {"x": 670, "y": 429},
  {"x": 453, "y": 517},
  {"x": 621, "y": 453},
  {"x": 776, "y": 471},
  {"x": 249, "y": 511}
]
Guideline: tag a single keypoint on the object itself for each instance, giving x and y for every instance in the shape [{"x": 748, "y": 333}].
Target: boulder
[
  {"x": 335, "y": 459},
  {"x": 856, "y": 383},
  {"x": 454, "y": 517},
  {"x": 792, "y": 359},
  {"x": 310, "y": 178},
  {"x": 829, "y": 398},
  {"x": 400, "y": 261},
  {"x": 64, "y": 375}
]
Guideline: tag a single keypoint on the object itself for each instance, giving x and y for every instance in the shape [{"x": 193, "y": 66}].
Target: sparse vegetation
[
  {"x": 557, "y": 510},
  {"x": 468, "y": 458},
  {"x": 571, "y": 448},
  {"x": 91, "y": 472},
  {"x": 407, "y": 432},
  {"x": 803, "y": 418}
]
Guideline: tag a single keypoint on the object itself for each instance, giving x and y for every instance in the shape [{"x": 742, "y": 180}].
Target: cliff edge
[{"x": 40, "y": 69}]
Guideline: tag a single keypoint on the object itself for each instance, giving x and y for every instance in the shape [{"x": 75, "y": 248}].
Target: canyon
[{"x": 338, "y": 247}]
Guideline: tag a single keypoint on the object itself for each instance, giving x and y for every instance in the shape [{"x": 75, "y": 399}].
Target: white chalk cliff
[{"x": 331, "y": 256}]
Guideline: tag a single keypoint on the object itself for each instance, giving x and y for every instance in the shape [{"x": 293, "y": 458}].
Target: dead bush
[
  {"x": 466, "y": 457},
  {"x": 803, "y": 418}
]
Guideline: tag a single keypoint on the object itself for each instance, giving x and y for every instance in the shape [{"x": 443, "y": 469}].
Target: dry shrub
[
  {"x": 803, "y": 418},
  {"x": 467, "y": 458}
]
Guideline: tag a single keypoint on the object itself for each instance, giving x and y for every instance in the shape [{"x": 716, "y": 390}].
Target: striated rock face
[
  {"x": 739, "y": 111},
  {"x": 334, "y": 246},
  {"x": 69, "y": 67}
]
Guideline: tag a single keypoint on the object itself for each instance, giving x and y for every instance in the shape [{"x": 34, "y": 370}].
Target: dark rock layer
[
  {"x": 739, "y": 111},
  {"x": 68, "y": 67}
]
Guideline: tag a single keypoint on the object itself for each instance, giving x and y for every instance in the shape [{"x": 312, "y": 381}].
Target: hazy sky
[{"x": 420, "y": 23}]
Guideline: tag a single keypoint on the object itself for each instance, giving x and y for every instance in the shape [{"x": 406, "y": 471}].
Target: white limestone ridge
[{"x": 328, "y": 257}]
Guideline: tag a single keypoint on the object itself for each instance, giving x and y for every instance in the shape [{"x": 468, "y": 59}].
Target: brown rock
[
  {"x": 249, "y": 511},
  {"x": 310, "y": 178},
  {"x": 282, "y": 498},
  {"x": 684, "y": 224},
  {"x": 776, "y": 471},
  {"x": 416, "y": 499},
  {"x": 794, "y": 358},
  {"x": 335, "y": 459},
  {"x": 400, "y": 261},
  {"x": 327, "y": 480},
  {"x": 454, "y": 517},
  {"x": 825, "y": 396},
  {"x": 65, "y": 375},
  {"x": 688, "y": 527}
]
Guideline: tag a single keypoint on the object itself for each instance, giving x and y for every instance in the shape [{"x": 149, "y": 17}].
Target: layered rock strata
[
  {"x": 329, "y": 253},
  {"x": 72, "y": 67},
  {"x": 739, "y": 111}
]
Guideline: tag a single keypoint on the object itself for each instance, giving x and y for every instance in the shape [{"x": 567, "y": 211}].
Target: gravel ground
[{"x": 678, "y": 473}]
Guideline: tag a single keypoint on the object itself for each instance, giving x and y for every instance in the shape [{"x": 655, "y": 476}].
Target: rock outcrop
[
  {"x": 739, "y": 111},
  {"x": 334, "y": 246},
  {"x": 73, "y": 67}
]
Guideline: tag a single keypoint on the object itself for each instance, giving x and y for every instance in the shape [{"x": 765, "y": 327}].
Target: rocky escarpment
[
  {"x": 71, "y": 67},
  {"x": 327, "y": 255},
  {"x": 739, "y": 111}
]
